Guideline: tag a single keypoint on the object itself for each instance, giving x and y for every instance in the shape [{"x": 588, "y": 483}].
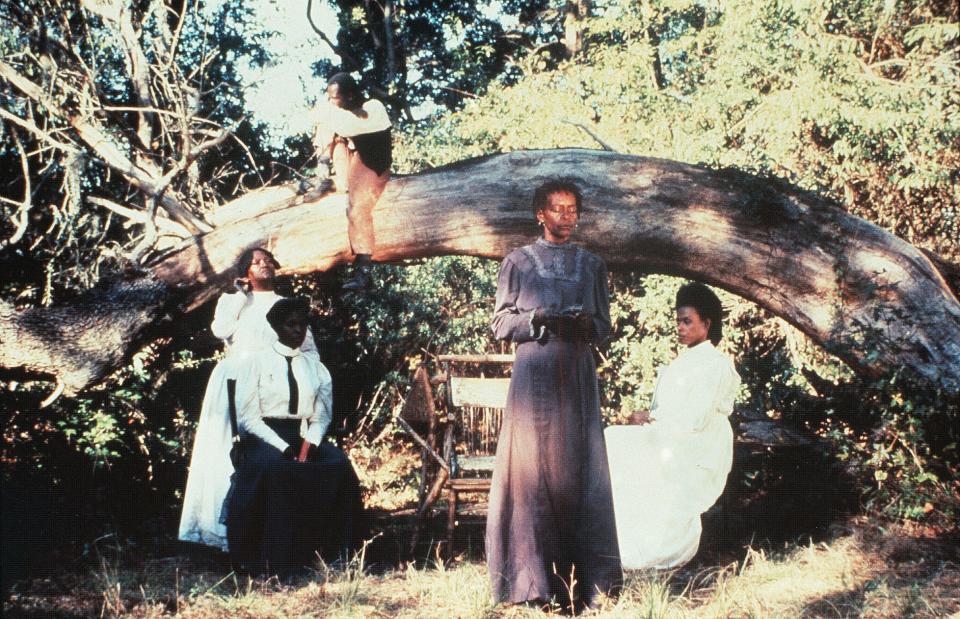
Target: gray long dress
[{"x": 551, "y": 507}]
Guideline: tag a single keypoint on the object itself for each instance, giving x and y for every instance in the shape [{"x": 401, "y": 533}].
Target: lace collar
[
  {"x": 542, "y": 242},
  {"x": 553, "y": 265}
]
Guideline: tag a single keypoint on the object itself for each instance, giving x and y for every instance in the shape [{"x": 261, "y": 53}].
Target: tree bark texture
[{"x": 867, "y": 296}]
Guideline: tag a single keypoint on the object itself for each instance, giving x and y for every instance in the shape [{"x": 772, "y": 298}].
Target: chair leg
[{"x": 451, "y": 517}]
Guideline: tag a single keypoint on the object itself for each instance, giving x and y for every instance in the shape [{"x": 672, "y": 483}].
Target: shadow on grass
[{"x": 772, "y": 498}]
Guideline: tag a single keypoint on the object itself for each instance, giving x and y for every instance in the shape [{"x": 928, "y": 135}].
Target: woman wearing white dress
[
  {"x": 240, "y": 321},
  {"x": 672, "y": 465}
]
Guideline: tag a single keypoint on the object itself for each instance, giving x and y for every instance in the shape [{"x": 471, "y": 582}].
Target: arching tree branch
[{"x": 865, "y": 295}]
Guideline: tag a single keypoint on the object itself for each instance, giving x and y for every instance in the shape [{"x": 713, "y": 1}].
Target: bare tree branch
[
  {"x": 24, "y": 211},
  {"x": 139, "y": 217},
  {"x": 590, "y": 132},
  {"x": 37, "y": 131},
  {"x": 387, "y": 8},
  {"x": 106, "y": 150},
  {"x": 149, "y": 234},
  {"x": 111, "y": 155},
  {"x": 355, "y": 65}
]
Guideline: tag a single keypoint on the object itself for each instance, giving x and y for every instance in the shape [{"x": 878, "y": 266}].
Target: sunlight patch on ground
[{"x": 877, "y": 573}]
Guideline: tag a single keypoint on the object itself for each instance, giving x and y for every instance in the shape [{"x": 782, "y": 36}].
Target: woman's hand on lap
[
  {"x": 640, "y": 418},
  {"x": 304, "y": 451}
]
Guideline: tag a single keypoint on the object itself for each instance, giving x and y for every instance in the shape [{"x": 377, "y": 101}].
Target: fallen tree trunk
[{"x": 865, "y": 295}]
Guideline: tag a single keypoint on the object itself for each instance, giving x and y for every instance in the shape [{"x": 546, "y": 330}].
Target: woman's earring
[{"x": 539, "y": 222}]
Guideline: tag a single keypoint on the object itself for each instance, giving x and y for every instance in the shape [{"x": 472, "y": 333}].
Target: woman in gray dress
[{"x": 551, "y": 534}]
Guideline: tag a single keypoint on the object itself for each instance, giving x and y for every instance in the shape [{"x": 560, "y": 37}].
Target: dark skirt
[
  {"x": 551, "y": 532},
  {"x": 281, "y": 514}
]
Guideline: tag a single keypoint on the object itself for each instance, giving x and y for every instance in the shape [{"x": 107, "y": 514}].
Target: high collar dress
[
  {"x": 550, "y": 527},
  {"x": 665, "y": 474},
  {"x": 240, "y": 320}
]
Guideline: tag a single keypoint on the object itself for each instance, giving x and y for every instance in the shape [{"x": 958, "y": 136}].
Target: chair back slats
[
  {"x": 477, "y": 463},
  {"x": 476, "y": 407},
  {"x": 479, "y": 392},
  {"x": 474, "y": 389},
  {"x": 478, "y": 430},
  {"x": 504, "y": 359}
]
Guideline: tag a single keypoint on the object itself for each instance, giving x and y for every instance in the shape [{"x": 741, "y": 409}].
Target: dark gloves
[
  {"x": 575, "y": 327},
  {"x": 567, "y": 326},
  {"x": 241, "y": 443},
  {"x": 545, "y": 318},
  {"x": 293, "y": 453}
]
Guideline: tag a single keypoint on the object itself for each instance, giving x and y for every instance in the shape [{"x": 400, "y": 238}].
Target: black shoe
[
  {"x": 361, "y": 279},
  {"x": 315, "y": 189}
]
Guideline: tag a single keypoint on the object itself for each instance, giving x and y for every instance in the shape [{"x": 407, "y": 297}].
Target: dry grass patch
[{"x": 865, "y": 572}]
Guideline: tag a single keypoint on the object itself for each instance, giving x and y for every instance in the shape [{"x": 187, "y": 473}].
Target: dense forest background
[{"x": 858, "y": 100}]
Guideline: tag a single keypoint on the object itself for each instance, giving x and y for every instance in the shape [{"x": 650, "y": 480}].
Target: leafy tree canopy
[{"x": 857, "y": 99}]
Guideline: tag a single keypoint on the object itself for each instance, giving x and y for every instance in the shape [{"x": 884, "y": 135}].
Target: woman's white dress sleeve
[{"x": 322, "y": 405}]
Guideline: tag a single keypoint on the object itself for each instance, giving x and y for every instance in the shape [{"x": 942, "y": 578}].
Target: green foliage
[
  {"x": 901, "y": 443},
  {"x": 437, "y": 53},
  {"x": 855, "y": 99},
  {"x": 121, "y": 424},
  {"x": 68, "y": 243}
]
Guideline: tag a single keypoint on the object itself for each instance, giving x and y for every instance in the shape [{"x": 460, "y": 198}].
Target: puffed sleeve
[
  {"x": 601, "y": 320},
  {"x": 227, "y": 314},
  {"x": 249, "y": 415},
  {"x": 702, "y": 400},
  {"x": 377, "y": 117},
  {"x": 322, "y": 406},
  {"x": 322, "y": 138},
  {"x": 509, "y": 323},
  {"x": 727, "y": 390},
  {"x": 344, "y": 122}
]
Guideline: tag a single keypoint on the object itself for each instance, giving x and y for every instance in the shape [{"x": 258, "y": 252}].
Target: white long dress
[
  {"x": 240, "y": 321},
  {"x": 665, "y": 474}
]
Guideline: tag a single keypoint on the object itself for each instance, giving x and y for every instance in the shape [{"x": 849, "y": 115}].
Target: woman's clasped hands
[{"x": 569, "y": 324}]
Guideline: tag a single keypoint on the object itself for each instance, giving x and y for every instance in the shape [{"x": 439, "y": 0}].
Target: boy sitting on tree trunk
[{"x": 355, "y": 135}]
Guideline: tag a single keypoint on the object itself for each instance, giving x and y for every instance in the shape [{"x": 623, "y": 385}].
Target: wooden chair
[{"x": 474, "y": 396}]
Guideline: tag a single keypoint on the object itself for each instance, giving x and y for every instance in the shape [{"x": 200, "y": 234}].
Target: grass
[{"x": 861, "y": 571}]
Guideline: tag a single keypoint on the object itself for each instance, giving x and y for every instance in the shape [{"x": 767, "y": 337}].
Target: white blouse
[
  {"x": 346, "y": 123},
  {"x": 240, "y": 320},
  {"x": 330, "y": 119},
  {"x": 699, "y": 383},
  {"x": 263, "y": 391}
]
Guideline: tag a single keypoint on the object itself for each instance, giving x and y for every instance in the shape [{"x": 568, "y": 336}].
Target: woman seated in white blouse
[
  {"x": 240, "y": 321},
  {"x": 293, "y": 494},
  {"x": 672, "y": 464}
]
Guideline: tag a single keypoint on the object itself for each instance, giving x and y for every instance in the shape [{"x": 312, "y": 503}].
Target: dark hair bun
[{"x": 708, "y": 306}]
